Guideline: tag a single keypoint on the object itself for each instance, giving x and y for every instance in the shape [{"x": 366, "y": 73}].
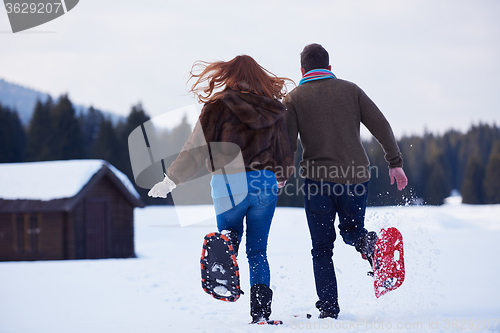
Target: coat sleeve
[
  {"x": 194, "y": 153},
  {"x": 291, "y": 122},
  {"x": 285, "y": 161},
  {"x": 380, "y": 128}
]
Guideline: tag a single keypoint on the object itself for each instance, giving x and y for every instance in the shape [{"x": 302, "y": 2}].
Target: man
[{"x": 327, "y": 112}]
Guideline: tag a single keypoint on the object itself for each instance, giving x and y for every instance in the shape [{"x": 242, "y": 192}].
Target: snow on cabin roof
[{"x": 52, "y": 179}]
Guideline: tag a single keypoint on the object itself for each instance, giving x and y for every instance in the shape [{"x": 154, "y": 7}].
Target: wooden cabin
[{"x": 76, "y": 209}]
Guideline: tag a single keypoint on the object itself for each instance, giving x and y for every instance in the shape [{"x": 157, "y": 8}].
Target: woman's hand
[{"x": 162, "y": 188}]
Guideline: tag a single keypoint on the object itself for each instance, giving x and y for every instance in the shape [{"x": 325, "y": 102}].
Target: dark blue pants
[{"x": 323, "y": 201}]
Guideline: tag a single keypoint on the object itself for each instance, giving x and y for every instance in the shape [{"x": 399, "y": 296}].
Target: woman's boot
[{"x": 260, "y": 303}]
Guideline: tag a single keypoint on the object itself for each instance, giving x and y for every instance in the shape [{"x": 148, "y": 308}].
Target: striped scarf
[{"x": 317, "y": 74}]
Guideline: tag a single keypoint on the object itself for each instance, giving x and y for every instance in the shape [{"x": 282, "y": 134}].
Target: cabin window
[
  {"x": 27, "y": 229},
  {"x": 33, "y": 231},
  {"x": 19, "y": 227}
]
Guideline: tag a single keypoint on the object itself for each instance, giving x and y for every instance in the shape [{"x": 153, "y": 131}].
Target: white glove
[{"x": 162, "y": 188}]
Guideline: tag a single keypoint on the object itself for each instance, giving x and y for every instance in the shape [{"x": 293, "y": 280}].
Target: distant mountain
[
  {"x": 20, "y": 98},
  {"x": 23, "y": 100}
]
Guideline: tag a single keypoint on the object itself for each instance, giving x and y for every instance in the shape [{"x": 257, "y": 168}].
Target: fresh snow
[
  {"x": 451, "y": 259},
  {"x": 52, "y": 179}
]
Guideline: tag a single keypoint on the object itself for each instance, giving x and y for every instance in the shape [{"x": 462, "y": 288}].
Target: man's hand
[{"x": 399, "y": 175}]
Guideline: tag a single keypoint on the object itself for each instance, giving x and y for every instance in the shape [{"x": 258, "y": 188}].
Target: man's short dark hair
[{"x": 314, "y": 56}]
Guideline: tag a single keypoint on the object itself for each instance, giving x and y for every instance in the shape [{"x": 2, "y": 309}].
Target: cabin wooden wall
[
  {"x": 32, "y": 236},
  {"x": 120, "y": 224}
]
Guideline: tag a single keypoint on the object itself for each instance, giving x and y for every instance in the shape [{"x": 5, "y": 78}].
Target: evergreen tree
[
  {"x": 491, "y": 184},
  {"x": 451, "y": 146},
  {"x": 414, "y": 151},
  {"x": 39, "y": 135},
  {"x": 179, "y": 135},
  {"x": 438, "y": 174},
  {"x": 137, "y": 117},
  {"x": 472, "y": 188},
  {"x": 477, "y": 141},
  {"x": 90, "y": 123},
  {"x": 435, "y": 183},
  {"x": 67, "y": 131},
  {"x": 12, "y": 137},
  {"x": 105, "y": 143}
]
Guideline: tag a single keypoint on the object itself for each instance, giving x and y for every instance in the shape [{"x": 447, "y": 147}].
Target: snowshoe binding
[{"x": 368, "y": 248}]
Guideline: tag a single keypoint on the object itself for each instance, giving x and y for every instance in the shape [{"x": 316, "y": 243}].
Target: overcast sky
[{"x": 431, "y": 64}]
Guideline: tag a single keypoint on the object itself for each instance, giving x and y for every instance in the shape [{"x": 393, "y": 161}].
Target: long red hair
[{"x": 242, "y": 73}]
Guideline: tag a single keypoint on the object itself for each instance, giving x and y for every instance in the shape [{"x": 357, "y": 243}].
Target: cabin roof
[{"x": 56, "y": 185}]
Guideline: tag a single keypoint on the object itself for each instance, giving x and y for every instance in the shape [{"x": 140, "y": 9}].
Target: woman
[{"x": 244, "y": 113}]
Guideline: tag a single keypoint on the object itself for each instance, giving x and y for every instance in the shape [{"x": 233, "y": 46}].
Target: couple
[{"x": 327, "y": 113}]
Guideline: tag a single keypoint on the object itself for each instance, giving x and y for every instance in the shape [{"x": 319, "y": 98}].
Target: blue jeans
[
  {"x": 323, "y": 201},
  {"x": 258, "y": 207}
]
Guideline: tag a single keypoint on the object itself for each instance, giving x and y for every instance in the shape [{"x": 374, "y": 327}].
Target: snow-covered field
[{"x": 452, "y": 280}]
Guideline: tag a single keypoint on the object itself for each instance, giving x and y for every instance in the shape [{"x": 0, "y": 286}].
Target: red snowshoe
[{"x": 388, "y": 262}]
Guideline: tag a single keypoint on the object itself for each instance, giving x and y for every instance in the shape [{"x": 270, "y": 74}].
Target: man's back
[{"x": 327, "y": 115}]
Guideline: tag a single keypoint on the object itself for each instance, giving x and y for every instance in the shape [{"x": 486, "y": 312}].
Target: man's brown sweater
[{"x": 327, "y": 115}]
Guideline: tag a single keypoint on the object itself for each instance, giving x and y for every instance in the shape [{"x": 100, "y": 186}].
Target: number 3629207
[{"x": 32, "y": 8}]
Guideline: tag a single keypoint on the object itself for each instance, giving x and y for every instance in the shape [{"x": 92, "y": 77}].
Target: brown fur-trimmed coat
[{"x": 237, "y": 121}]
